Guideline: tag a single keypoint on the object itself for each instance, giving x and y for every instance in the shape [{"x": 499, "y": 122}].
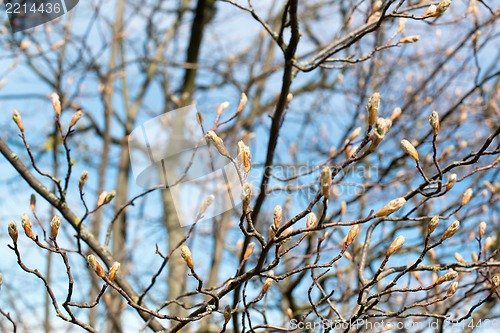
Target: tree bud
[
  {"x": 467, "y": 196},
  {"x": 186, "y": 255},
  {"x": 449, "y": 276},
  {"x": 26, "y": 223},
  {"x": 452, "y": 290},
  {"x": 353, "y": 232},
  {"x": 433, "y": 223},
  {"x": 326, "y": 181},
  {"x": 113, "y": 270},
  {"x": 56, "y": 103},
  {"x": 277, "y": 216},
  {"x": 18, "y": 120},
  {"x": 372, "y": 106},
  {"x": 76, "y": 117},
  {"x": 434, "y": 122},
  {"x": 54, "y": 226},
  {"x": 13, "y": 233},
  {"x": 96, "y": 266},
  {"x": 83, "y": 179},
  {"x": 391, "y": 207},
  {"x": 396, "y": 245},
  {"x": 217, "y": 142},
  {"x": 452, "y": 229},
  {"x": 409, "y": 149}
]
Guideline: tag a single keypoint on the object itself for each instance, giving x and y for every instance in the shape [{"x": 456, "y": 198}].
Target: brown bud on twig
[
  {"x": 452, "y": 290},
  {"x": 244, "y": 156},
  {"x": 243, "y": 102},
  {"x": 451, "y": 181},
  {"x": 434, "y": 122},
  {"x": 74, "y": 120},
  {"x": 325, "y": 180},
  {"x": 433, "y": 223},
  {"x": 409, "y": 39},
  {"x": 105, "y": 198},
  {"x": 246, "y": 194},
  {"x": 277, "y": 216},
  {"x": 222, "y": 107},
  {"x": 482, "y": 229},
  {"x": 96, "y": 266},
  {"x": 431, "y": 11},
  {"x": 54, "y": 226},
  {"x": 18, "y": 120},
  {"x": 452, "y": 229},
  {"x": 488, "y": 243},
  {"x": 474, "y": 256},
  {"x": 83, "y": 179},
  {"x": 26, "y": 223},
  {"x": 217, "y": 142},
  {"x": 206, "y": 203},
  {"x": 56, "y": 103},
  {"x": 391, "y": 207},
  {"x": 227, "y": 314},
  {"x": 186, "y": 255},
  {"x": 353, "y": 232},
  {"x": 355, "y": 133},
  {"x": 289, "y": 313},
  {"x": 372, "y": 106},
  {"x": 266, "y": 286},
  {"x": 396, "y": 245},
  {"x": 459, "y": 258},
  {"x": 442, "y": 7},
  {"x": 33, "y": 202},
  {"x": 13, "y": 233},
  {"x": 113, "y": 270},
  {"x": 409, "y": 149},
  {"x": 249, "y": 251},
  {"x": 495, "y": 282},
  {"x": 467, "y": 196},
  {"x": 311, "y": 220},
  {"x": 449, "y": 276}
]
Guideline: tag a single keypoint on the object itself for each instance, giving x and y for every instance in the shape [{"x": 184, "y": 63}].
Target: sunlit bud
[
  {"x": 56, "y": 103},
  {"x": 495, "y": 282},
  {"x": 433, "y": 223},
  {"x": 26, "y": 223},
  {"x": 355, "y": 134},
  {"x": 246, "y": 194},
  {"x": 451, "y": 181},
  {"x": 396, "y": 113},
  {"x": 96, "y": 266},
  {"x": 449, "y": 276},
  {"x": 396, "y": 245},
  {"x": 311, "y": 220},
  {"x": 206, "y": 203},
  {"x": 432, "y": 254},
  {"x": 431, "y": 11},
  {"x": 401, "y": 24},
  {"x": 289, "y": 313},
  {"x": 391, "y": 207},
  {"x": 452, "y": 229},
  {"x": 267, "y": 285},
  {"x": 244, "y": 155},
  {"x": 326, "y": 181},
  {"x": 113, "y": 270},
  {"x": 434, "y": 122},
  {"x": 442, "y": 7},
  {"x": 409, "y": 39},
  {"x": 452, "y": 290},
  {"x": 249, "y": 251},
  {"x": 467, "y": 196},
  {"x": 222, "y": 107},
  {"x": 217, "y": 142},
  {"x": 18, "y": 120},
  {"x": 105, "y": 198},
  {"x": 33, "y": 202},
  {"x": 459, "y": 258},
  {"x": 348, "y": 255},
  {"x": 474, "y": 256},
  {"x": 382, "y": 126},
  {"x": 243, "y": 102},
  {"x": 186, "y": 255},
  {"x": 57, "y": 45},
  {"x": 25, "y": 44},
  {"x": 409, "y": 149},
  {"x": 482, "y": 229},
  {"x": 83, "y": 179},
  {"x": 227, "y": 313},
  {"x": 54, "y": 226},
  {"x": 372, "y": 106},
  {"x": 343, "y": 208},
  {"x": 353, "y": 232},
  {"x": 488, "y": 242},
  {"x": 277, "y": 216},
  {"x": 76, "y": 117},
  {"x": 13, "y": 233}
]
